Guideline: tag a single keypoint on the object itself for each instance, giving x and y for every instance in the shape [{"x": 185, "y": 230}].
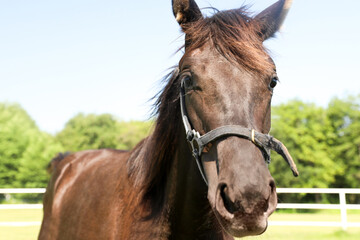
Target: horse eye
[
  {"x": 187, "y": 82},
  {"x": 273, "y": 82}
]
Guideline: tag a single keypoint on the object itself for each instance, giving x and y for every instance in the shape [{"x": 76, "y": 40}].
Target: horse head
[{"x": 227, "y": 82}]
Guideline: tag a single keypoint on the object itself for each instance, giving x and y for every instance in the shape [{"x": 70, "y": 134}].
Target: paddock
[
  {"x": 21, "y": 232},
  {"x": 325, "y": 221}
]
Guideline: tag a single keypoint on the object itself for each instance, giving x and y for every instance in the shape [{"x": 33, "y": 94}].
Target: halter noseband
[{"x": 197, "y": 142}]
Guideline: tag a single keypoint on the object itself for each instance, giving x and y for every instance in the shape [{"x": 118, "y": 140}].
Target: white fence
[{"x": 342, "y": 206}]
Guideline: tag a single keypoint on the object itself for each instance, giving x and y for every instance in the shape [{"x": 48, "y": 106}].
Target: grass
[
  {"x": 311, "y": 233},
  {"x": 273, "y": 232},
  {"x": 308, "y": 233},
  {"x": 19, "y": 233},
  {"x": 20, "y": 215}
]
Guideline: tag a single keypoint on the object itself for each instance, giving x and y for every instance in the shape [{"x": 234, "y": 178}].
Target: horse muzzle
[{"x": 244, "y": 213}]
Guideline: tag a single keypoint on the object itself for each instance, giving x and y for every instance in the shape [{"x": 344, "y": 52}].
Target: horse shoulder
[{"x": 83, "y": 187}]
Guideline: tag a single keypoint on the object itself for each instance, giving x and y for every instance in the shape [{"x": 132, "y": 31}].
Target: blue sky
[{"x": 59, "y": 58}]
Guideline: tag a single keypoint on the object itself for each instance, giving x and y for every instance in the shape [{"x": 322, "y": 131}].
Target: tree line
[
  {"x": 25, "y": 151},
  {"x": 324, "y": 142}
]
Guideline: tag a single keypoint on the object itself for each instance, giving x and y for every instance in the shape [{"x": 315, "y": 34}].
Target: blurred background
[{"x": 81, "y": 74}]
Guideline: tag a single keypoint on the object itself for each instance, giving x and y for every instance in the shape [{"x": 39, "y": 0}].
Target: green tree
[
  {"x": 24, "y": 149},
  {"x": 131, "y": 133},
  {"x": 32, "y": 170},
  {"x": 15, "y": 127},
  {"x": 101, "y": 131},
  {"x": 89, "y": 132},
  {"x": 306, "y": 131},
  {"x": 344, "y": 115}
]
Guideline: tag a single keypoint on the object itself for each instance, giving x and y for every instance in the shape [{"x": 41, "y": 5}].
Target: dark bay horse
[{"x": 202, "y": 173}]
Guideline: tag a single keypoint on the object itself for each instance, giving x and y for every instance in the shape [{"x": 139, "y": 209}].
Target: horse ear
[
  {"x": 186, "y": 11},
  {"x": 272, "y": 18}
]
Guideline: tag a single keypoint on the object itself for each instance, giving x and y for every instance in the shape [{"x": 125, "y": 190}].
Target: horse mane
[
  {"x": 55, "y": 161},
  {"x": 235, "y": 36},
  {"x": 155, "y": 161}
]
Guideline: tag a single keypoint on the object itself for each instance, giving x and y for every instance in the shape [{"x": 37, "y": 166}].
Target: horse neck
[{"x": 190, "y": 215}]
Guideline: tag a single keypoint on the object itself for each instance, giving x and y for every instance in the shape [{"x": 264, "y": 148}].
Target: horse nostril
[
  {"x": 230, "y": 206},
  {"x": 272, "y": 185},
  {"x": 272, "y": 200}
]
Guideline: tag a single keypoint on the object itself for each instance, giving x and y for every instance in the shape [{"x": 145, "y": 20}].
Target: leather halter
[{"x": 197, "y": 142}]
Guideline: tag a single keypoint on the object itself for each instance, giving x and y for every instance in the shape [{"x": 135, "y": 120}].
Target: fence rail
[
  {"x": 343, "y": 206},
  {"x": 21, "y": 190}
]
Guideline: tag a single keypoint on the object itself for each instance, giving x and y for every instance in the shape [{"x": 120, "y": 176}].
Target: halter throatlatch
[{"x": 264, "y": 142}]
